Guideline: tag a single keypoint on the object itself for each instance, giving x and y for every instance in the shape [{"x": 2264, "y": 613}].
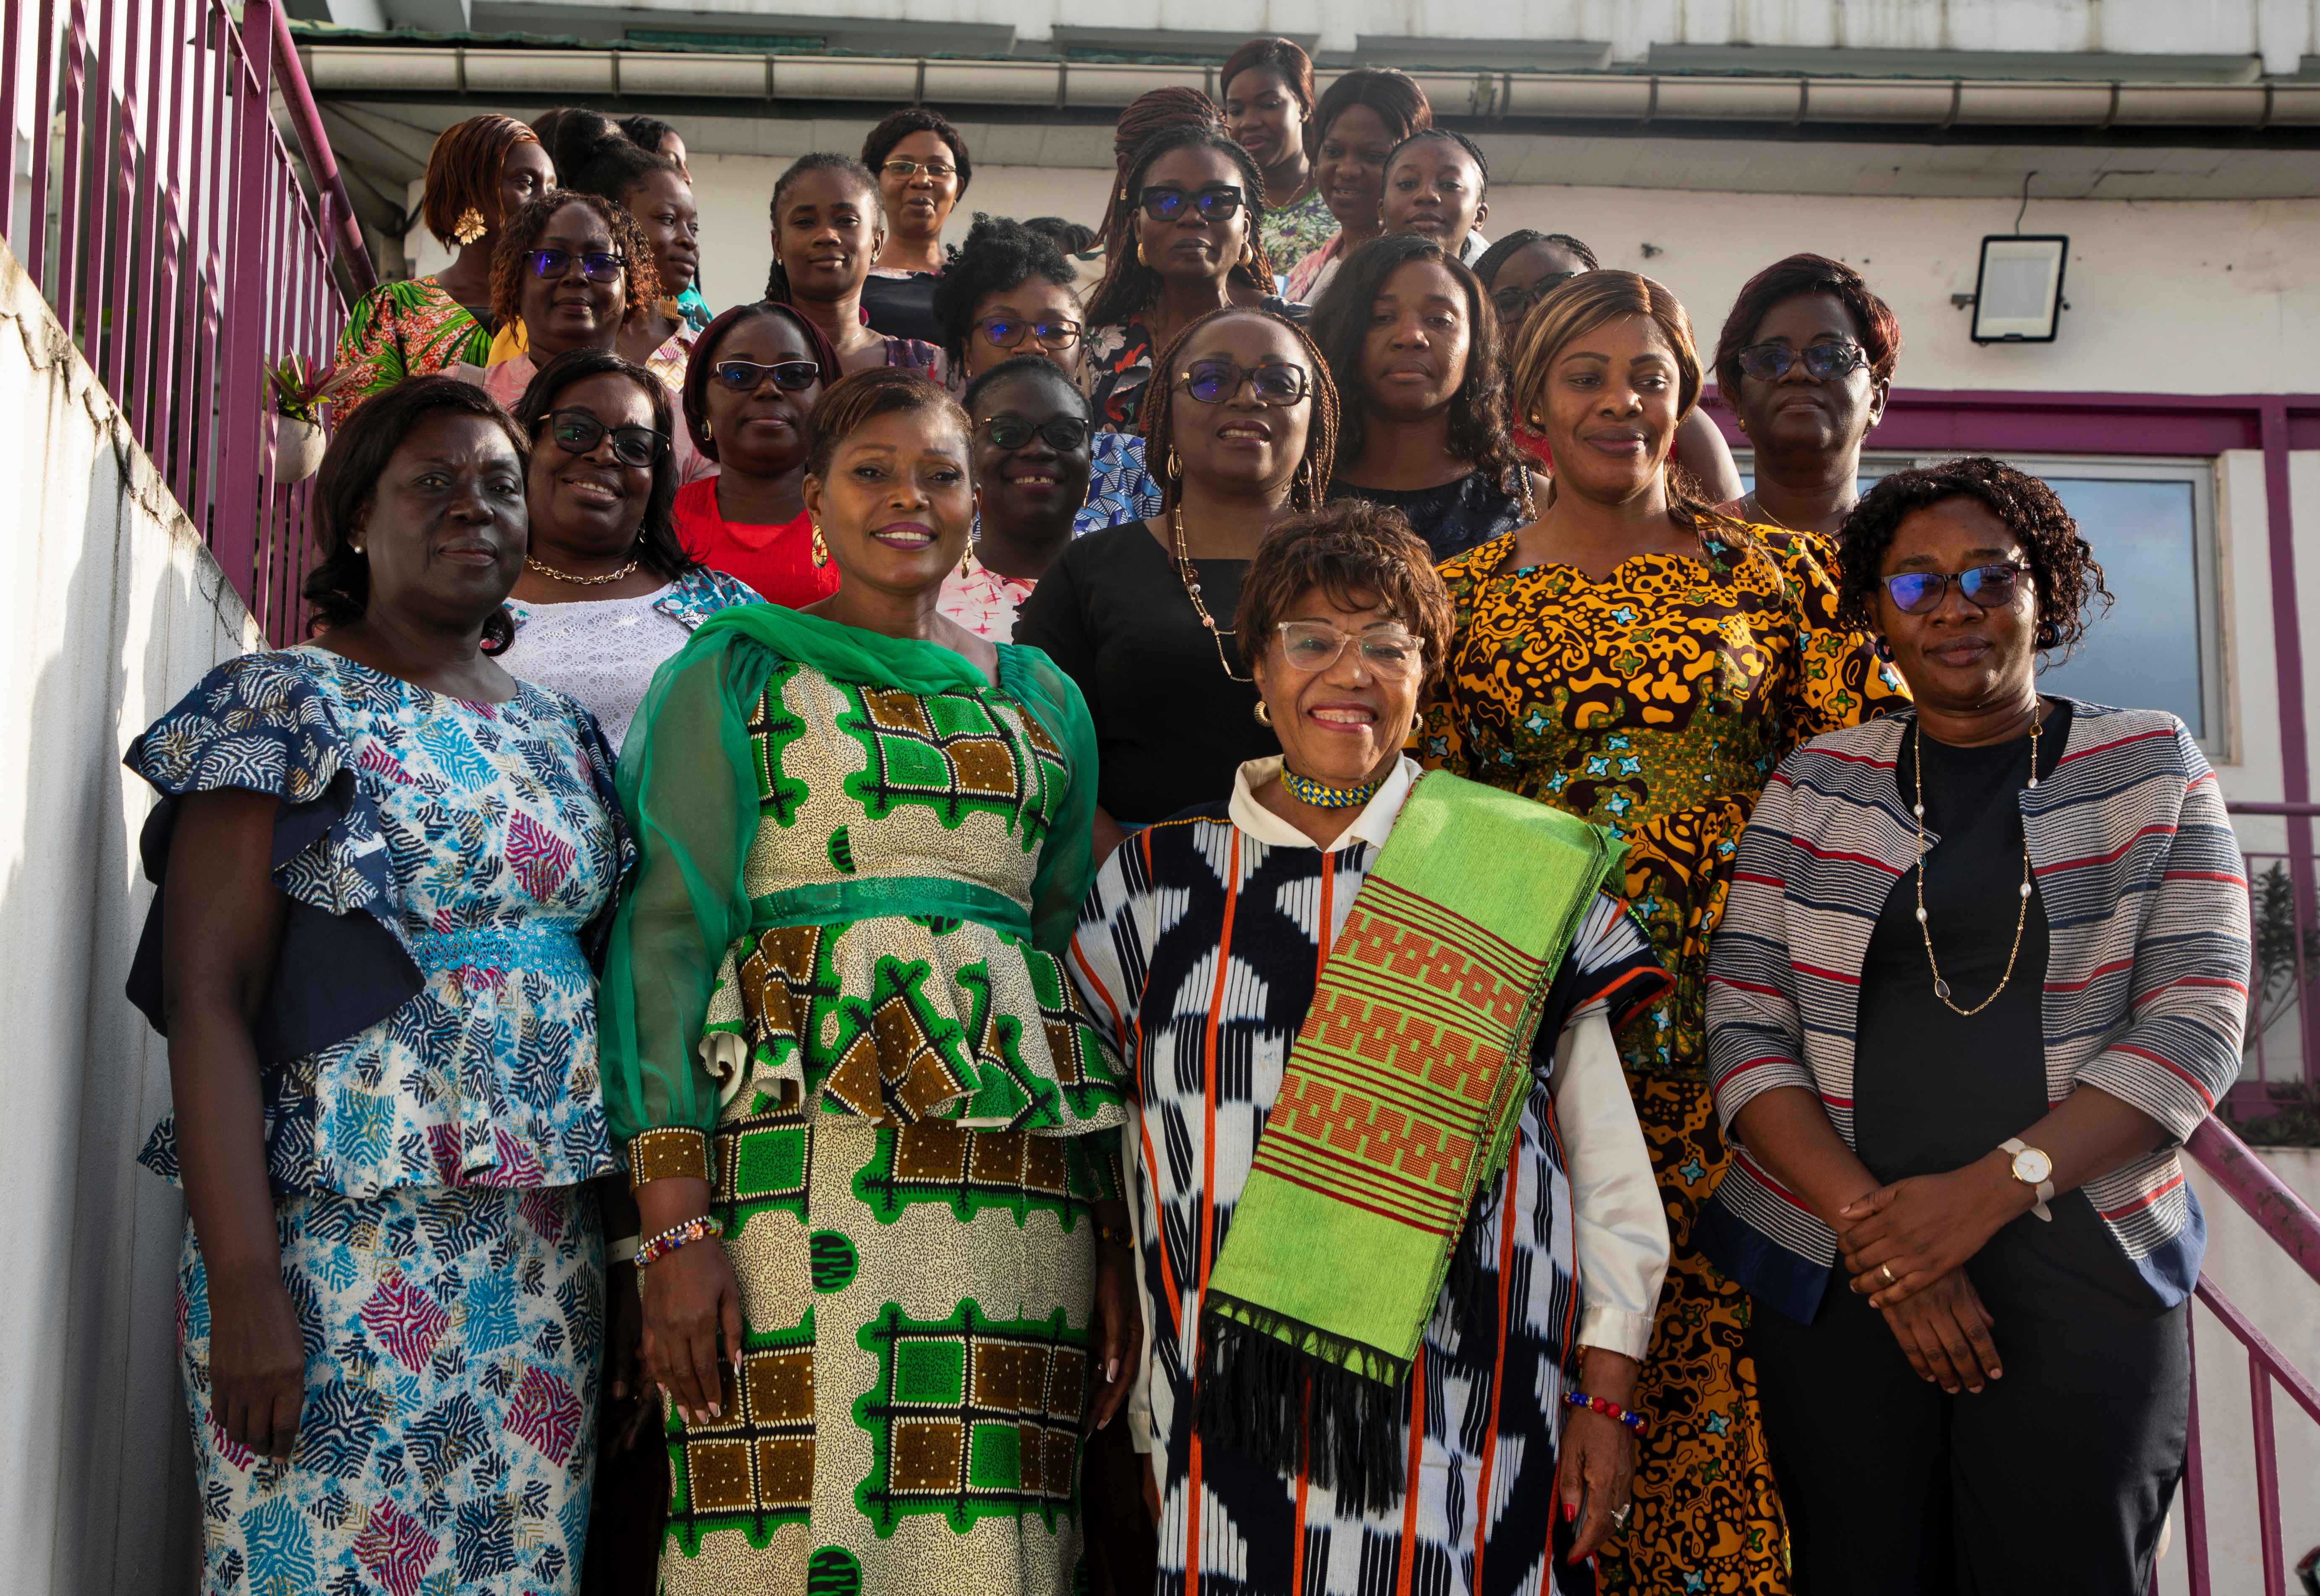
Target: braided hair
[
  {"x": 1130, "y": 285},
  {"x": 1487, "y": 263},
  {"x": 1310, "y": 488},
  {"x": 777, "y": 281},
  {"x": 1144, "y": 116}
]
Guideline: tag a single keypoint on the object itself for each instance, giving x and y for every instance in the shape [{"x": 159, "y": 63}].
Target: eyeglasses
[
  {"x": 1218, "y": 201},
  {"x": 1986, "y": 587},
  {"x": 1511, "y": 302},
  {"x": 745, "y": 376},
  {"x": 1387, "y": 650},
  {"x": 576, "y": 432},
  {"x": 1005, "y": 332},
  {"x": 595, "y": 265},
  {"x": 938, "y": 170},
  {"x": 1212, "y": 381},
  {"x": 1826, "y": 362},
  {"x": 1065, "y": 434}
]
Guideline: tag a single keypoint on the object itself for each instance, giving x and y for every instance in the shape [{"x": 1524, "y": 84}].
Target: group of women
[{"x": 1170, "y": 939}]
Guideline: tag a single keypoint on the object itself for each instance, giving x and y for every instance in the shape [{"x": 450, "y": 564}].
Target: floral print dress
[
  {"x": 1657, "y": 701},
  {"x": 443, "y": 1259},
  {"x": 405, "y": 330}
]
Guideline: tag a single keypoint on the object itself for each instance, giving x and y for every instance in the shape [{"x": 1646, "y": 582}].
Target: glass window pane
[{"x": 2144, "y": 653}]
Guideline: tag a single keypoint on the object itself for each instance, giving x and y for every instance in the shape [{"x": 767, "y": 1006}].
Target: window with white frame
[{"x": 2152, "y": 523}]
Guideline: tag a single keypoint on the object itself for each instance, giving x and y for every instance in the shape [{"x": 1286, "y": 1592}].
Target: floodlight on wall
[{"x": 2018, "y": 298}]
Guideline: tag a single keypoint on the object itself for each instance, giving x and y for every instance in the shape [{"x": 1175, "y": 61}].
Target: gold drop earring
[
  {"x": 470, "y": 226},
  {"x": 821, "y": 549}
]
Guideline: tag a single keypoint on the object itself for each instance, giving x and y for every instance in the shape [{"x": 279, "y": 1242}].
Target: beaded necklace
[
  {"x": 1190, "y": 575},
  {"x": 1322, "y": 796}
]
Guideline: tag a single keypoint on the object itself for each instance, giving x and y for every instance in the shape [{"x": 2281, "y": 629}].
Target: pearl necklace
[
  {"x": 2022, "y": 916},
  {"x": 1322, "y": 796}
]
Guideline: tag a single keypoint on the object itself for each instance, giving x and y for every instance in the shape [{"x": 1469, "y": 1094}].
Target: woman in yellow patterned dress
[
  {"x": 1635, "y": 659},
  {"x": 873, "y": 1140}
]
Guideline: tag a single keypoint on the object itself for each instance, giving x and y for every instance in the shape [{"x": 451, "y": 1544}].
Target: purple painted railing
[
  {"x": 2296, "y": 1228},
  {"x": 2283, "y": 1023},
  {"x": 157, "y": 207}
]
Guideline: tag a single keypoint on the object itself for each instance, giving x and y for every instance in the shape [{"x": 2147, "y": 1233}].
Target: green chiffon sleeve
[
  {"x": 1067, "y": 862},
  {"x": 690, "y": 790}
]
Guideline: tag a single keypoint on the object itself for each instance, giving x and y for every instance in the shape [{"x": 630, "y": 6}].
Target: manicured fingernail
[
  {"x": 620, "y": 1390},
  {"x": 715, "y": 1412},
  {"x": 1569, "y": 1512},
  {"x": 1111, "y": 1371},
  {"x": 1997, "y": 1374}
]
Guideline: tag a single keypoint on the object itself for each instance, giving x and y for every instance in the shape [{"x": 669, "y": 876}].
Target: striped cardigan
[{"x": 2145, "y": 992}]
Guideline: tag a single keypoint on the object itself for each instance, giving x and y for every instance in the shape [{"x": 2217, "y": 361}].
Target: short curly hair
[
  {"x": 1791, "y": 278},
  {"x": 2063, "y": 566},
  {"x": 1001, "y": 253},
  {"x": 640, "y": 278},
  {"x": 899, "y": 125},
  {"x": 855, "y": 402},
  {"x": 1358, "y": 554}
]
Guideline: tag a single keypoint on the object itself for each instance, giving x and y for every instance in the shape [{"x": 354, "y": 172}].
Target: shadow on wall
[{"x": 110, "y": 610}]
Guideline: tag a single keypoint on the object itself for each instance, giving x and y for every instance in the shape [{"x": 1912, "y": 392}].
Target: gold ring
[{"x": 1887, "y": 1270}]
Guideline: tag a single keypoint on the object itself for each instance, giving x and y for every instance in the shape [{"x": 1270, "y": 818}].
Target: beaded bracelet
[
  {"x": 654, "y": 1248},
  {"x": 1610, "y": 1409},
  {"x": 1114, "y": 1236}
]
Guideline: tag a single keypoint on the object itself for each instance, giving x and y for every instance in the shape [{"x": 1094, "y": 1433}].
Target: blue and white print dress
[{"x": 444, "y": 1260}]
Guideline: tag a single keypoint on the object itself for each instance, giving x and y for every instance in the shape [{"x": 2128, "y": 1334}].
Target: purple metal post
[
  {"x": 339, "y": 228},
  {"x": 233, "y": 534},
  {"x": 2195, "y": 1477},
  {"x": 11, "y": 78},
  {"x": 125, "y": 322},
  {"x": 165, "y": 430},
  {"x": 2254, "y": 1188},
  {"x": 36, "y": 224},
  {"x": 63, "y": 291},
  {"x": 2287, "y": 665},
  {"x": 2267, "y": 1480}
]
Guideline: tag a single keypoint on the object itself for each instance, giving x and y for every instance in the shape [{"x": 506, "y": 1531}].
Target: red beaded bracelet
[{"x": 1610, "y": 1409}]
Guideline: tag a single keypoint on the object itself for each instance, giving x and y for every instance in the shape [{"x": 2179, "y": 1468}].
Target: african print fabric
[
  {"x": 1657, "y": 702},
  {"x": 1119, "y": 489},
  {"x": 404, "y": 329},
  {"x": 482, "y": 838},
  {"x": 1296, "y": 230},
  {"x": 447, "y": 1438},
  {"x": 915, "y": 1118},
  {"x": 982, "y": 600},
  {"x": 1199, "y": 951}
]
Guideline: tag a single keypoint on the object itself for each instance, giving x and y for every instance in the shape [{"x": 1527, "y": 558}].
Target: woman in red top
[{"x": 748, "y": 392}]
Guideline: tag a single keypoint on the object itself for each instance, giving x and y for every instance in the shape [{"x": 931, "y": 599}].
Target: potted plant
[{"x": 300, "y": 388}]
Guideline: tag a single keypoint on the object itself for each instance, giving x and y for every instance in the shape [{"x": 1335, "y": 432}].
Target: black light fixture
[{"x": 2017, "y": 296}]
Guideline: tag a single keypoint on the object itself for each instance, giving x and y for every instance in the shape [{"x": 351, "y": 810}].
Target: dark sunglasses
[
  {"x": 576, "y": 432},
  {"x": 1987, "y": 587},
  {"x": 1005, "y": 332},
  {"x": 1065, "y": 434},
  {"x": 1218, "y": 201},
  {"x": 1511, "y": 302},
  {"x": 595, "y": 265},
  {"x": 1212, "y": 381},
  {"x": 743, "y": 376},
  {"x": 1823, "y": 362}
]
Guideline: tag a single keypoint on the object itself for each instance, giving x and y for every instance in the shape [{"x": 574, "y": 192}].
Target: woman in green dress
[{"x": 842, "y": 1042}]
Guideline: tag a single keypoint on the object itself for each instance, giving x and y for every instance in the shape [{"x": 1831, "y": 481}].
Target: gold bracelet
[
  {"x": 1115, "y": 1236},
  {"x": 675, "y": 1153}
]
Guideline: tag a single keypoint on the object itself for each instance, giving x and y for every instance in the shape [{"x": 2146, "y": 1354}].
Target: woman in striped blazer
[{"x": 1982, "y": 971}]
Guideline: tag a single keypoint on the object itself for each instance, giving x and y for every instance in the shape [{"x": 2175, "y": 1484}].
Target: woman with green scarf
[
  {"x": 883, "y": 1256},
  {"x": 1400, "y": 1239}
]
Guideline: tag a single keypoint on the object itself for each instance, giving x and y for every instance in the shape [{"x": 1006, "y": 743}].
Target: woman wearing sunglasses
[
  {"x": 1009, "y": 294},
  {"x": 1184, "y": 244},
  {"x": 922, "y": 169},
  {"x": 1644, "y": 663},
  {"x": 749, "y": 393},
  {"x": 1805, "y": 362},
  {"x": 1414, "y": 346},
  {"x": 1362, "y": 116},
  {"x": 1319, "y": 1399},
  {"x": 608, "y": 591},
  {"x": 1243, "y": 432},
  {"x": 1030, "y": 435},
  {"x": 1982, "y": 973}
]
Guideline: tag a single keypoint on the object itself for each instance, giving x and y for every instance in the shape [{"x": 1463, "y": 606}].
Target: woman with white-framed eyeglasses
[
  {"x": 1363, "y": 1364},
  {"x": 1243, "y": 433},
  {"x": 922, "y": 167},
  {"x": 1806, "y": 363},
  {"x": 755, "y": 375},
  {"x": 608, "y": 591},
  {"x": 1982, "y": 974},
  {"x": 1184, "y": 242}
]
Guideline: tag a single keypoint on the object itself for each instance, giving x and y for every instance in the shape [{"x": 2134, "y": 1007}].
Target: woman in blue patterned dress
[{"x": 380, "y": 859}]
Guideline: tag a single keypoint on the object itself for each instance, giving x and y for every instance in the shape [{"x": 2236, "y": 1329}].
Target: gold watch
[{"x": 2033, "y": 1169}]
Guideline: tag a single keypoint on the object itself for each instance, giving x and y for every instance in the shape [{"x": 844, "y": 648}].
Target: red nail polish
[{"x": 1569, "y": 1512}]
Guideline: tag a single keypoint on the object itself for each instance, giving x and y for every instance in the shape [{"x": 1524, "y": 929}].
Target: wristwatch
[{"x": 2033, "y": 1169}]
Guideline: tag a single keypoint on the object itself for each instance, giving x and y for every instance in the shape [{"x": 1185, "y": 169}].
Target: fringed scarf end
[{"x": 1283, "y": 1393}]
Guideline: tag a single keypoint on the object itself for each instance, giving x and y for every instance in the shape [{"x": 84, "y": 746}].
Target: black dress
[
  {"x": 902, "y": 306},
  {"x": 2056, "y": 1477},
  {"x": 1453, "y": 516},
  {"x": 1171, "y": 728}
]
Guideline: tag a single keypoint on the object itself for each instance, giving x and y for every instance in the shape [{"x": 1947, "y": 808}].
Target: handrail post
[
  {"x": 2267, "y": 1479},
  {"x": 241, "y": 417},
  {"x": 2194, "y": 1478}
]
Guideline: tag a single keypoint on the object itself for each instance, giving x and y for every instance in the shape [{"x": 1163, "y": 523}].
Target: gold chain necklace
[
  {"x": 2021, "y": 916},
  {"x": 553, "y": 574},
  {"x": 1190, "y": 578}
]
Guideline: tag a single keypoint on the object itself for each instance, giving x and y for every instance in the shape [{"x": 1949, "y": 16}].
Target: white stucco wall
[{"x": 110, "y": 608}]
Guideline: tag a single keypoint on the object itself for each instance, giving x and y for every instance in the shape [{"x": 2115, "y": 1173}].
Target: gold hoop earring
[
  {"x": 708, "y": 433},
  {"x": 470, "y": 226},
  {"x": 1263, "y": 712},
  {"x": 821, "y": 549}
]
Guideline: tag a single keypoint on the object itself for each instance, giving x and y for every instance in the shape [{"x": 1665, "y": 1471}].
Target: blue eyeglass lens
[
  {"x": 1915, "y": 591},
  {"x": 1989, "y": 586}
]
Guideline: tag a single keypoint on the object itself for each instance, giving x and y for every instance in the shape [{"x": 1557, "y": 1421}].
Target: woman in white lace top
[{"x": 608, "y": 591}]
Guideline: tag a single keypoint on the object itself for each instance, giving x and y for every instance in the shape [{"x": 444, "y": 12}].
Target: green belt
[{"x": 888, "y": 896}]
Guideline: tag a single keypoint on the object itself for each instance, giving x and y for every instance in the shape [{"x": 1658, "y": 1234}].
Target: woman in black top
[
  {"x": 1242, "y": 431},
  {"x": 1413, "y": 344},
  {"x": 923, "y": 170}
]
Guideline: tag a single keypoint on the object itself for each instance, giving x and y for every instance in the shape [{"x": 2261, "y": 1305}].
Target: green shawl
[
  {"x": 688, "y": 783},
  {"x": 1400, "y": 1098}
]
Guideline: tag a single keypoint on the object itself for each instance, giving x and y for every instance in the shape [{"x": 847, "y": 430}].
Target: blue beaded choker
[{"x": 1322, "y": 796}]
